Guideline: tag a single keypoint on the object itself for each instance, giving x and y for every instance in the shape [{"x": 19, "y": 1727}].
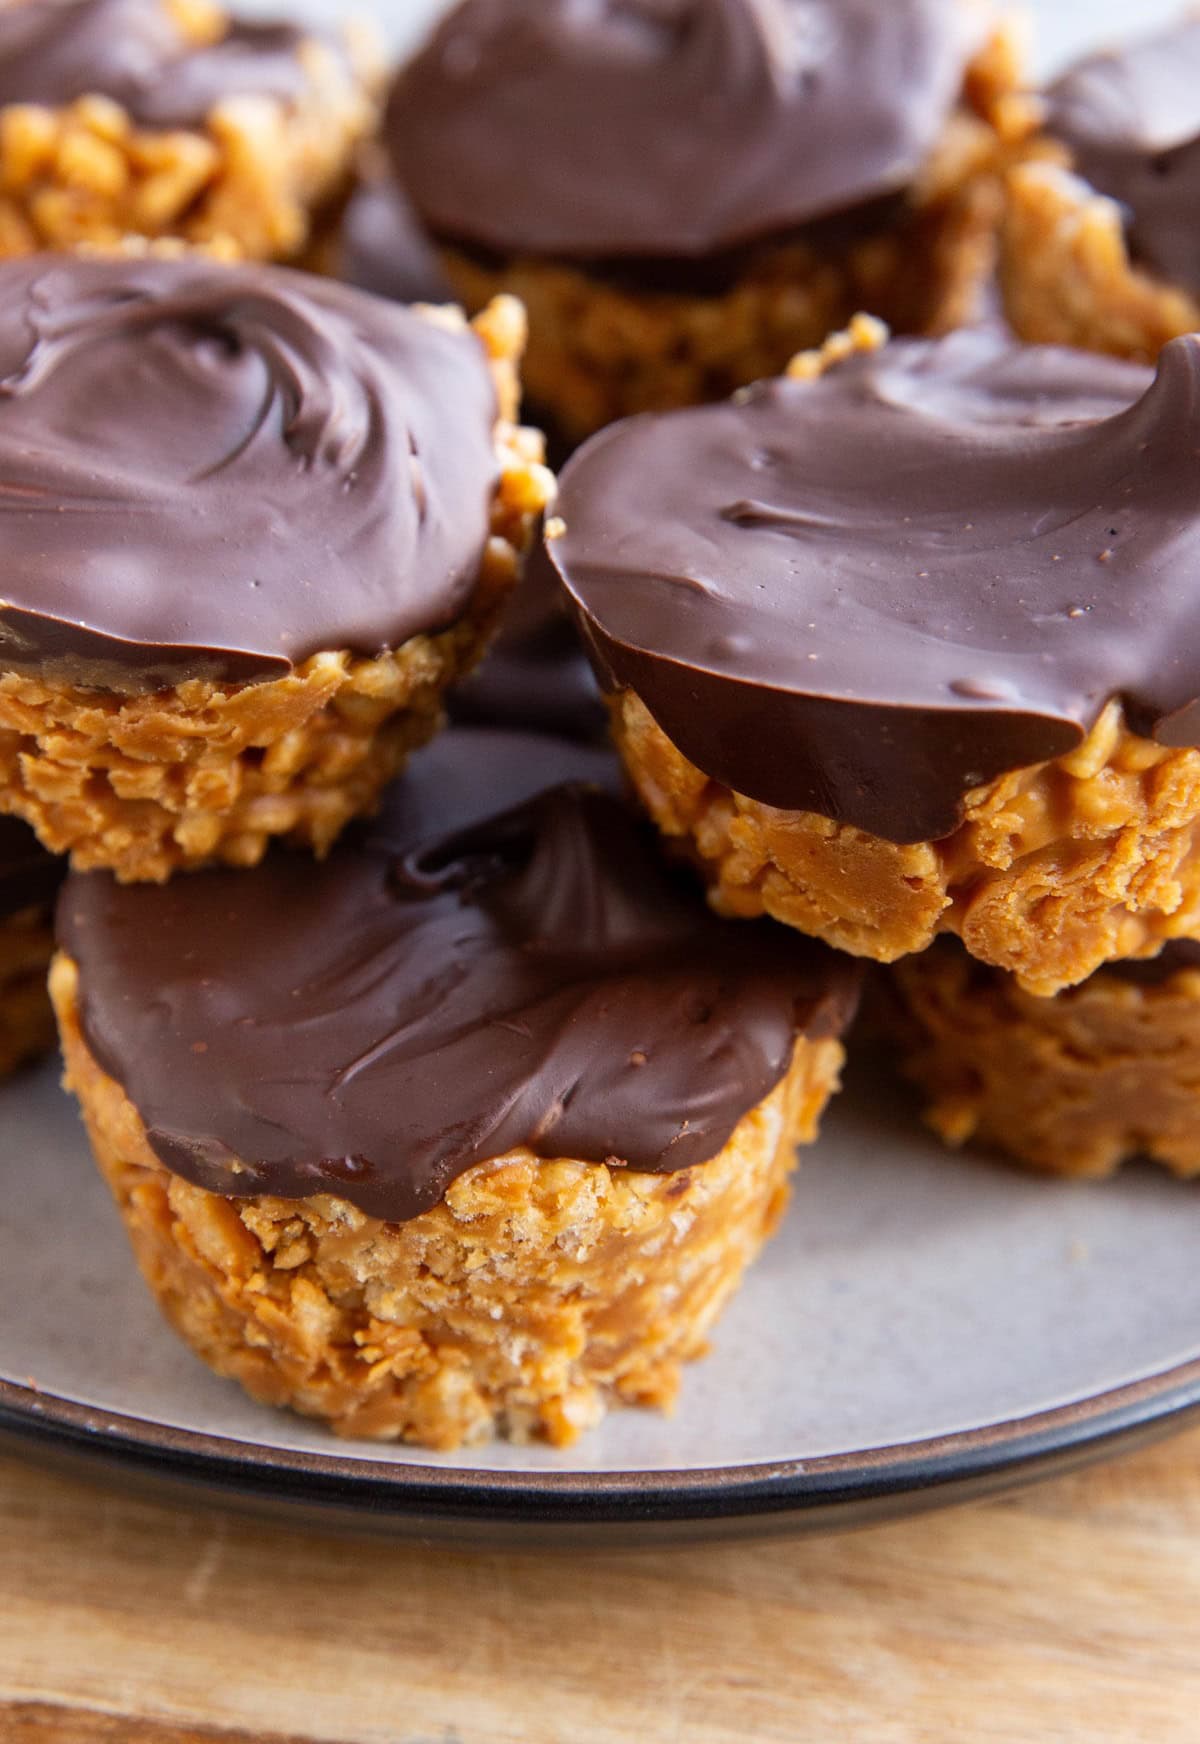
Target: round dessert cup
[
  {"x": 1055, "y": 868},
  {"x": 257, "y": 174},
  {"x": 146, "y": 784},
  {"x": 1066, "y": 272},
  {"x": 533, "y": 1297},
  {"x": 602, "y": 347},
  {"x": 26, "y": 1020},
  {"x": 1073, "y": 1085}
]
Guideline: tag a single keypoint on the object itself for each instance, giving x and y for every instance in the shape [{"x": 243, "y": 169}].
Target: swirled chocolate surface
[
  {"x": 864, "y": 595},
  {"x": 502, "y": 960},
  {"x": 134, "y": 51},
  {"x": 29, "y": 876},
  {"x": 669, "y": 128},
  {"x": 1131, "y": 117},
  {"x": 223, "y": 470}
]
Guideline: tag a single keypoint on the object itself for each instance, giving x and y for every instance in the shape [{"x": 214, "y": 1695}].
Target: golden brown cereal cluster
[
  {"x": 1054, "y": 870},
  {"x": 254, "y": 176},
  {"x": 146, "y": 784},
  {"x": 533, "y": 1298},
  {"x": 26, "y": 1020},
  {"x": 1072, "y": 1085},
  {"x": 599, "y": 351},
  {"x": 1066, "y": 273}
]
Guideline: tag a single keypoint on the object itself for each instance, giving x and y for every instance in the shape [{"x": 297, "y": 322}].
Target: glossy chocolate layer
[
  {"x": 494, "y": 965},
  {"x": 864, "y": 595},
  {"x": 29, "y": 876},
  {"x": 223, "y": 470},
  {"x": 1131, "y": 117},
  {"x": 382, "y": 248},
  {"x": 53, "y": 51},
  {"x": 669, "y": 128}
]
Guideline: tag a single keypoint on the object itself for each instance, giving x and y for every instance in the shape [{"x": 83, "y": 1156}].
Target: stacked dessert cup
[
  {"x": 434, "y": 1102},
  {"x": 448, "y": 1078},
  {"x": 899, "y": 651}
]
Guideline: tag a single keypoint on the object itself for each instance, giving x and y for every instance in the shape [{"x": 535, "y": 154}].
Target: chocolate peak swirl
[
  {"x": 134, "y": 51},
  {"x": 866, "y": 594},
  {"x": 495, "y": 965},
  {"x": 223, "y": 471},
  {"x": 1131, "y": 117},
  {"x": 668, "y": 128}
]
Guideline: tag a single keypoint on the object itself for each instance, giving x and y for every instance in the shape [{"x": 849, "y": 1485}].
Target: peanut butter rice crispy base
[
  {"x": 1066, "y": 275},
  {"x": 536, "y": 1296},
  {"x": 26, "y": 1020},
  {"x": 1070, "y": 1086},
  {"x": 1054, "y": 870},
  {"x": 147, "y": 784},
  {"x": 599, "y": 351},
  {"x": 255, "y": 176}
]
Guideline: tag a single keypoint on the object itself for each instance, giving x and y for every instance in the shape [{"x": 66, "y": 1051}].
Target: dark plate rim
[{"x": 867, "y": 1484}]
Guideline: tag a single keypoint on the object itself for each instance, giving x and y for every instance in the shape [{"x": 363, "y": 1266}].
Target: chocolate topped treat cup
[
  {"x": 254, "y": 524},
  {"x": 29, "y": 878},
  {"x": 905, "y": 643},
  {"x": 685, "y": 194},
  {"x": 1100, "y": 244},
  {"x": 170, "y": 118},
  {"x": 1074, "y": 1085},
  {"x": 472, "y": 1128}
]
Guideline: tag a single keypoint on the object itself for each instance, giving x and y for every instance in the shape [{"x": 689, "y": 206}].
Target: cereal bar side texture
[
  {"x": 536, "y": 1296},
  {"x": 1066, "y": 275},
  {"x": 26, "y": 1020},
  {"x": 1073, "y": 1085},
  {"x": 599, "y": 351},
  {"x": 1054, "y": 870},
  {"x": 254, "y": 176},
  {"x": 147, "y": 784}
]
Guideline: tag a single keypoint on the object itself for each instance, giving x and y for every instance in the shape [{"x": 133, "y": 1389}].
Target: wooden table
[{"x": 1071, "y": 1612}]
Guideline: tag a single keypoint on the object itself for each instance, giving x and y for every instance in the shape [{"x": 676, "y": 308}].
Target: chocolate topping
[
  {"x": 666, "y": 128},
  {"x": 384, "y": 250},
  {"x": 223, "y": 470},
  {"x": 865, "y": 595},
  {"x": 134, "y": 51},
  {"x": 500, "y": 961},
  {"x": 29, "y": 876},
  {"x": 1131, "y": 117}
]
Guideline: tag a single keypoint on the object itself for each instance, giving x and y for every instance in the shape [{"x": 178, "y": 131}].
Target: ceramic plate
[{"x": 924, "y": 1327}]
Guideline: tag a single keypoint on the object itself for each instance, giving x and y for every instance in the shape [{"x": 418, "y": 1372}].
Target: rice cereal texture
[
  {"x": 255, "y": 176},
  {"x": 535, "y": 1296},
  {"x": 1054, "y": 870},
  {"x": 26, "y": 1020},
  {"x": 147, "y": 784},
  {"x": 1072, "y": 1085},
  {"x": 1066, "y": 275},
  {"x": 601, "y": 351}
]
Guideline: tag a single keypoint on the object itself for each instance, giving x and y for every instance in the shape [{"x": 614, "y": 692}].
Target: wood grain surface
[{"x": 1071, "y": 1612}]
